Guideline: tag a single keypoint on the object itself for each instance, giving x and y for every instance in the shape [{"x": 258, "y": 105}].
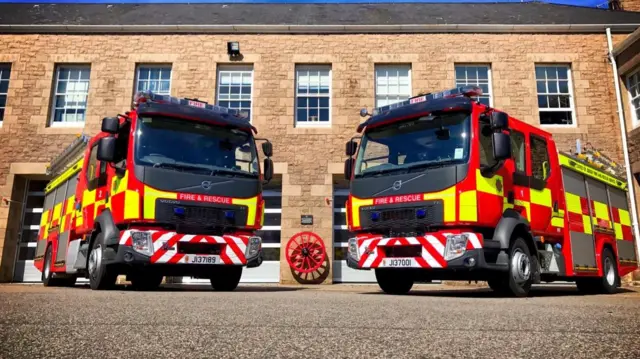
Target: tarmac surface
[{"x": 338, "y": 321}]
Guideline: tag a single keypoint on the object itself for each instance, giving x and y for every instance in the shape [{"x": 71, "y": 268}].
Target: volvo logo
[
  {"x": 206, "y": 185},
  {"x": 396, "y": 185}
]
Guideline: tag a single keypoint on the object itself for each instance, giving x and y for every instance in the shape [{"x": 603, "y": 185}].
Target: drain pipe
[{"x": 625, "y": 147}]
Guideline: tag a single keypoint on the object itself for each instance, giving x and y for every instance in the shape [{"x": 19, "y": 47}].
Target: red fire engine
[
  {"x": 446, "y": 188},
  {"x": 171, "y": 188}
]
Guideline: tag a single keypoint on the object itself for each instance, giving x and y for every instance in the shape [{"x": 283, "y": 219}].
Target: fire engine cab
[
  {"x": 443, "y": 187},
  {"x": 171, "y": 188}
]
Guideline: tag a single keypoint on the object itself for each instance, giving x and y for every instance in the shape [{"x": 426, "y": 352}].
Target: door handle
[{"x": 555, "y": 206}]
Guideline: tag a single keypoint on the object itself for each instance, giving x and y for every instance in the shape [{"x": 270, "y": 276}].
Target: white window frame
[
  {"x": 153, "y": 66},
  {"x": 59, "y": 67},
  {"x": 3, "y": 67},
  {"x": 235, "y": 68},
  {"x": 636, "y": 121},
  {"x": 394, "y": 67},
  {"x": 477, "y": 82},
  {"x": 308, "y": 124},
  {"x": 571, "y": 108}
]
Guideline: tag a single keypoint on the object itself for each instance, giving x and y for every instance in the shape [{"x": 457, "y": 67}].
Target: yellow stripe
[
  {"x": 71, "y": 171},
  {"x": 448, "y": 197},
  {"x": 489, "y": 185},
  {"x": 526, "y": 205},
  {"x": 542, "y": 198},
  {"x": 44, "y": 217},
  {"x": 355, "y": 211},
  {"x": 119, "y": 184},
  {"x": 131, "y": 204},
  {"x": 586, "y": 222},
  {"x": 468, "y": 206},
  {"x": 601, "y": 209},
  {"x": 567, "y": 162},
  {"x": 625, "y": 219},
  {"x": 251, "y": 204},
  {"x": 573, "y": 203},
  {"x": 150, "y": 196},
  {"x": 557, "y": 222},
  {"x": 617, "y": 227}
]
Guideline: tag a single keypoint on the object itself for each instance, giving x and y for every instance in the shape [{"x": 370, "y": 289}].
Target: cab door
[
  {"x": 543, "y": 185},
  {"x": 94, "y": 175}
]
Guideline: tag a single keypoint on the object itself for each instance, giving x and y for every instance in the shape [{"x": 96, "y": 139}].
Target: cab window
[
  {"x": 540, "y": 166},
  {"x": 486, "y": 146},
  {"x": 518, "y": 151}
]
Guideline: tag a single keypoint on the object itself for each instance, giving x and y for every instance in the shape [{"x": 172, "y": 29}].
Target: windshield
[
  {"x": 190, "y": 146},
  {"x": 422, "y": 142}
]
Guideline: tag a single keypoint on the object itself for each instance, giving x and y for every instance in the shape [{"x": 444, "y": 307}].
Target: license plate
[
  {"x": 196, "y": 104},
  {"x": 397, "y": 262},
  {"x": 202, "y": 259}
]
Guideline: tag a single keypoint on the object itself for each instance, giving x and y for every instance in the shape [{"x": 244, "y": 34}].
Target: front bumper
[
  {"x": 168, "y": 248},
  {"x": 436, "y": 251}
]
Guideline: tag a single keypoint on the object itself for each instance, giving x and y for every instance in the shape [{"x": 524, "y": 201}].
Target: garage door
[
  {"x": 342, "y": 273},
  {"x": 33, "y": 201},
  {"x": 269, "y": 271}
]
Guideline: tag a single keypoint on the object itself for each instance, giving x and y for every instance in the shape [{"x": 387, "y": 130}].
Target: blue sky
[{"x": 587, "y": 3}]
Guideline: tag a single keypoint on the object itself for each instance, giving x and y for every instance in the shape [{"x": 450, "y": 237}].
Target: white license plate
[
  {"x": 202, "y": 259},
  {"x": 398, "y": 262}
]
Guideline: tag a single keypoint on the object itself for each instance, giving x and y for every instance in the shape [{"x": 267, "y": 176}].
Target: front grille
[
  {"x": 402, "y": 217},
  {"x": 199, "y": 218}
]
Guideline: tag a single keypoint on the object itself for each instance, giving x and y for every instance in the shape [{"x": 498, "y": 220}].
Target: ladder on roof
[
  {"x": 68, "y": 156},
  {"x": 594, "y": 158}
]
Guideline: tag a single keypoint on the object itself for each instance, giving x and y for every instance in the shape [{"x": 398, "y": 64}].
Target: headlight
[
  {"x": 352, "y": 249},
  {"x": 253, "y": 248},
  {"x": 456, "y": 246},
  {"x": 142, "y": 242}
]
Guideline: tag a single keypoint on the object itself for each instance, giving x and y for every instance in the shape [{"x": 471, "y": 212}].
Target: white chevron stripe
[
  {"x": 435, "y": 243},
  {"x": 473, "y": 238}
]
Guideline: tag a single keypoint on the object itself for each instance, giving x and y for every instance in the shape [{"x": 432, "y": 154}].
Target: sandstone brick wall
[
  {"x": 630, "y": 5},
  {"x": 306, "y": 157}
]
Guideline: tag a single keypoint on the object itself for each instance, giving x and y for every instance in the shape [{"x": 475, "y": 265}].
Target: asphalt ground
[{"x": 338, "y": 321}]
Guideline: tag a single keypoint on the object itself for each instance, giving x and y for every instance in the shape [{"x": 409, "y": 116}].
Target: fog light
[
  {"x": 128, "y": 257},
  {"x": 352, "y": 249},
  {"x": 456, "y": 246},
  {"x": 253, "y": 248},
  {"x": 471, "y": 262},
  {"x": 141, "y": 242}
]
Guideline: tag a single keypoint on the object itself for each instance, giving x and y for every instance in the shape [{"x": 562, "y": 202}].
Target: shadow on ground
[
  {"x": 201, "y": 288},
  {"x": 564, "y": 291}
]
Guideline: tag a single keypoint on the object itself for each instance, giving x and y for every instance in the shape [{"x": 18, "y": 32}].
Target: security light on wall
[{"x": 233, "y": 48}]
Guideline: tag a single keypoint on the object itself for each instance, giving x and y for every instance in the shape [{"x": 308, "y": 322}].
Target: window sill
[
  {"x": 67, "y": 125},
  {"x": 312, "y": 125}
]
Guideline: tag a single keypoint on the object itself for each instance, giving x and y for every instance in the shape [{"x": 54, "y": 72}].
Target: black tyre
[
  {"x": 47, "y": 275},
  {"x": 608, "y": 283},
  {"x": 100, "y": 276},
  {"x": 146, "y": 281},
  {"x": 226, "y": 278},
  {"x": 521, "y": 269},
  {"x": 393, "y": 281}
]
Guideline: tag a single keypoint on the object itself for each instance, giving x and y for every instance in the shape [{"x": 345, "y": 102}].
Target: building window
[
  {"x": 476, "y": 75},
  {"x": 393, "y": 84},
  {"x": 70, "y": 95},
  {"x": 235, "y": 88},
  {"x": 154, "y": 78},
  {"x": 313, "y": 95},
  {"x": 5, "y": 73},
  {"x": 555, "y": 100},
  {"x": 633, "y": 84}
]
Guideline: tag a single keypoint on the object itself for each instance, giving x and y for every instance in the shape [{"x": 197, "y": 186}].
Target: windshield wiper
[
  {"x": 181, "y": 167},
  {"x": 232, "y": 173},
  {"x": 407, "y": 168}
]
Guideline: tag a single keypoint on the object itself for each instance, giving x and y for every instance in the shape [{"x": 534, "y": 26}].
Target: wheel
[
  {"x": 100, "y": 276},
  {"x": 393, "y": 281},
  {"x": 305, "y": 252},
  {"x": 146, "y": 281},
  {"x": 608, "y": 283},
  {"x": 47, "y": 274},
  {"x": 226, "y": 278},
  {"x": 521, "y": 269}
]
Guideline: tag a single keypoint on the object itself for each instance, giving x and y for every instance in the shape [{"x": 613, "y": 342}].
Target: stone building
[{"x": 65, "y": 66}]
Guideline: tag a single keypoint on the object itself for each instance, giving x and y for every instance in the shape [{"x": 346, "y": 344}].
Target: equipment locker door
[{"x": 544, "y": 186}]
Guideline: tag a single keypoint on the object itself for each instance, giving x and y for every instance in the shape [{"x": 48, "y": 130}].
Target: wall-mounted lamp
[{"x": 233, "y": 48}]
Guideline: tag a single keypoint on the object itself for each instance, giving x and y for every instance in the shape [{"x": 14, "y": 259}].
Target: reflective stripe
[
  {"x": 586, "y": 222},
  {"x": 625, "y": 219},
  {"x": 448, "y": 197},
  {"x": 573, "y": 203},
  {"x": 468, "y": 206},
  {"x": 557, "y": 222},
  {"x": 355, "y": 212},
  {"x": 542, "y": 198},
  {"x": 489, "y": 185},
  {"x": 251, "y": 204},
  {"x": 150, "y": 197}
]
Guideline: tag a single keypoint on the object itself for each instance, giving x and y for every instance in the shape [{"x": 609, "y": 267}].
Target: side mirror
[
  {"x": 267, "y": 148},
  {"x": 107, "y": 149},
  {"x": 348, "y": 168},
  {"x": 351, "y": 147},
  {"x": 501, "y": 146},
  {"x": 499, "y": 120},
  {"x": 268, "y": 169},
  {"x": 110, "y": 125}
]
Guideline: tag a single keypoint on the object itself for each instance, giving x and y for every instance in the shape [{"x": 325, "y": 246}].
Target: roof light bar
[
  {"x": 148, "y": 96},
  {"x": 468, "y": 91}
]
